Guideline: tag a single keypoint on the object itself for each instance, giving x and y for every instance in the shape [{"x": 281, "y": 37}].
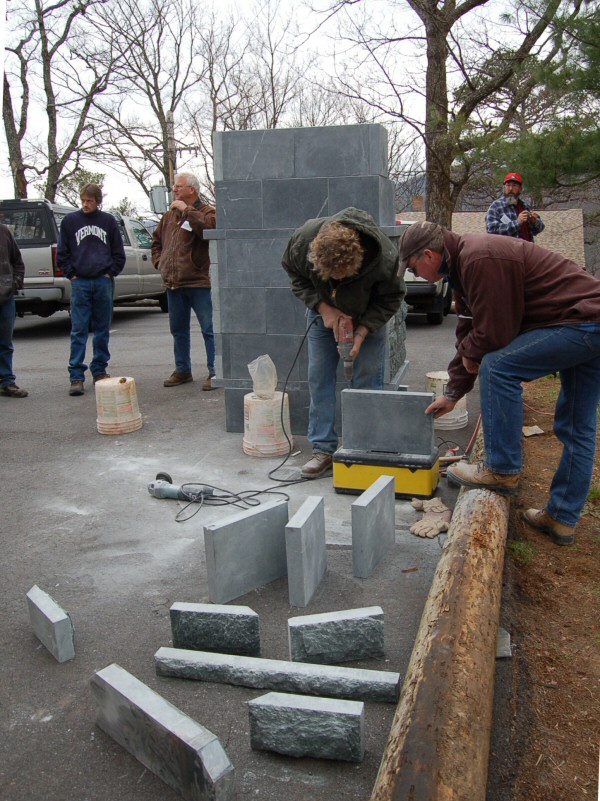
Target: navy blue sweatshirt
[{"x": 90, "y": 245}]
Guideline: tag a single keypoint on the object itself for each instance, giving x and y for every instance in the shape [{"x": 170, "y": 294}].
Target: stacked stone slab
[
  {"x": 51, "y": 624},
  {"x": 333, "y": 637},
  {"x": 324, "y": 728},
  {"x": 267, "y": 184},
  {"x": 185, "y": 755}
]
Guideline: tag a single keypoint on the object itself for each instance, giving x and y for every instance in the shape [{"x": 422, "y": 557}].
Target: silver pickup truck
[{"x": 35, "y": 225}]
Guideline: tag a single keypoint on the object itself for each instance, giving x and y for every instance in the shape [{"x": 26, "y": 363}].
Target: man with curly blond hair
[{"x": 342, "y": 267}]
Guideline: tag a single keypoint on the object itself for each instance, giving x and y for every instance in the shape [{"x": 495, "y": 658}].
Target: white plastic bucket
[
  {"x": 459, "y": 416},
  {"x": 117, "y": 406},
  {"x": 264, "y": 434}
]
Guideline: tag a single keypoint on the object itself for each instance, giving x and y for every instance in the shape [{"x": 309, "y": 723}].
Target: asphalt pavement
[{"x": 79, "y": 522}]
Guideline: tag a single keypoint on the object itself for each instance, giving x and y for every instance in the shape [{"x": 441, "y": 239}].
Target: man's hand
[
  {"x": 178, "y": 205},
  {"x": 331, "y": 316},
  {"x": 523, "y": 217},
  {"x": 470, "y": 366},
  {"x": 440, "y": 406},
  {"x": 359, "y": 337}
]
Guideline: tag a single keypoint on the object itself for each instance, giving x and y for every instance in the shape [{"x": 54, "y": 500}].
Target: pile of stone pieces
[{"x": 313, "y": 708}]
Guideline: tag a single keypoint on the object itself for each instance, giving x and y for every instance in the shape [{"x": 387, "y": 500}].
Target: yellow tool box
[{"x": 387, "y": 433}]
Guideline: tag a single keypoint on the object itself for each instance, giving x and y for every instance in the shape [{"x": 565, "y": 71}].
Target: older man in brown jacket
[{"x": 180, "y": 252}]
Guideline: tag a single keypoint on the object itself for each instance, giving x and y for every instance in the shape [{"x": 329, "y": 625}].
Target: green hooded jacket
[{"x": 372, "y": 296}]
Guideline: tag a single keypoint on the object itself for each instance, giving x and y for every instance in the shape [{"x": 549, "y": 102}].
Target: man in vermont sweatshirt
[{"x": 91, "y": 254}]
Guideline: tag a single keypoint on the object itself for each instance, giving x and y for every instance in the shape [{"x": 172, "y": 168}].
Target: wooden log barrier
[{"x": 438, "y": 746}]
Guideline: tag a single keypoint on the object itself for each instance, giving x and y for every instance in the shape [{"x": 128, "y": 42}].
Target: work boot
[
  {"x": 175, "y": 379},
  {"x": 207, "y": 384},
  {"x": 320, "y": 465},
  {"x": 478, "y": 476},
  {"x": 100, "y": 377},
  {"x": 559, "y": 533},
  {"x": 13, "y": 391},
  {"x": 76, "y": 388}
]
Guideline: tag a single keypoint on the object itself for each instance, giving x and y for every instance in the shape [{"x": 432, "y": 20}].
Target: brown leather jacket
[{"x": 179, "y": 249}]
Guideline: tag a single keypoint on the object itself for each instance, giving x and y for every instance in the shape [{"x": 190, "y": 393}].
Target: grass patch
[{"x": 522, "y": 552}]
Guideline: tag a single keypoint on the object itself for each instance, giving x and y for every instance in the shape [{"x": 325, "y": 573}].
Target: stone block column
[{"x": 267, "y": 184}]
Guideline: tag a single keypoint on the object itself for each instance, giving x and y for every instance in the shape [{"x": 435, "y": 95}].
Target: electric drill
[{"x": 345, "y": 343}]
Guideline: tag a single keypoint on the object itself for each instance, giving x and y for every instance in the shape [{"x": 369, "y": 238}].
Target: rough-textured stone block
[
  {"x": 213, "y": 627},
  {"x": 324, "y": 728},
  {"x": 373, "y": 526},
  {"x": 306, "y": 552},
  {"x": 503, "y": 646},
  {"x": 387, "y": 422},
  {"x": 185, "y": 755},
  {"x": 246, "y": 551},
  {"x": 51, "y": 624},
  {"x": 334, "y": 637},
  {"x": 275, "y": 674}
]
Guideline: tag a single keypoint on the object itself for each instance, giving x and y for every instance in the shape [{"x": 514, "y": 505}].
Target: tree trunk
[
  {"x": 438, "y": 747},
  {"x": 15, "y": 156},
  {"x": 438, "y": 207}
]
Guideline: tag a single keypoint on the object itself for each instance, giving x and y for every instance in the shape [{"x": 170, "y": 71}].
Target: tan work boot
[
  {"x": 175, "y": 379},
  {"x": 207, "y": 383},
  {"x": 320, "y": 465},
  {"x": 559, "y": 533},
  {"x": 76, "y": 388},
  {"x": 478, "y": 476}
]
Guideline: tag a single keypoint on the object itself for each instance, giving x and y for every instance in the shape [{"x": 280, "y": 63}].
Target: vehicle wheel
[
  {"x": 163, "y": 302},
  {"x": 435, "y": 318}
]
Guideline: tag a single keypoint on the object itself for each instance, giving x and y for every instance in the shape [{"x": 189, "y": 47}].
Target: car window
[
  {"x": 27, "y": 225},
  {"x": 124, "y": 234},
  {"x": 143, "y": 237}
]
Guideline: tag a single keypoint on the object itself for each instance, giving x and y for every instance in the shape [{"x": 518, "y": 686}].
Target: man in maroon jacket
[
  {"x": 180, "y": 252},
  {"x": 523, "y": 313}
]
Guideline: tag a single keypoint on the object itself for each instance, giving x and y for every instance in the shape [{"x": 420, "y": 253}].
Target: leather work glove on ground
[{"x": 435, "y": 520}]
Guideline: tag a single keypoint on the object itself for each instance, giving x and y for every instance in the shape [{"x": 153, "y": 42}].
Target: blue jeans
[
  {"x": 323, "y": 358},
  {"x": 91, "y": 303},
  {"x": 7, "y": 324},
  {"x": 573, "y": 351},
  {"x": 181, "y": 302}
]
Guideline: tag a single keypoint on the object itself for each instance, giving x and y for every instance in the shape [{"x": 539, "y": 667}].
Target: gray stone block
[
  {"x": 275, "y": 674},
  {"x": 306, "y": 551},
  {"x": 239, "y": 204},
  {"x": 243, "y": 310},
  {"x": 285, "y": 313},
  {"x": 289, "y": 203},
  {"x": 185, "y": 755},
  {"x": 333, "y": 637},
  {"x": 503, "y": 646},
  {"x": 323, "y": 728},
  {"x": 246, "y": 551},
  {"x": 256, "y": 262},
  {"x": 51, "y": 624},
  {"x": 341, "y": 150},
  {"x": 373, "y": 526},
  {"x": 387, "y": 422},
  {"x": 213, "y": 627},
  {"x": 254, "y": 154},
  {"x": 371, "y": 193}
]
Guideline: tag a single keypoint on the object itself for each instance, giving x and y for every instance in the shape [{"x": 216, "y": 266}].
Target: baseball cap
[
  {"x": 415, "y": 238},
  {"x": 513, "y": 176}
]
